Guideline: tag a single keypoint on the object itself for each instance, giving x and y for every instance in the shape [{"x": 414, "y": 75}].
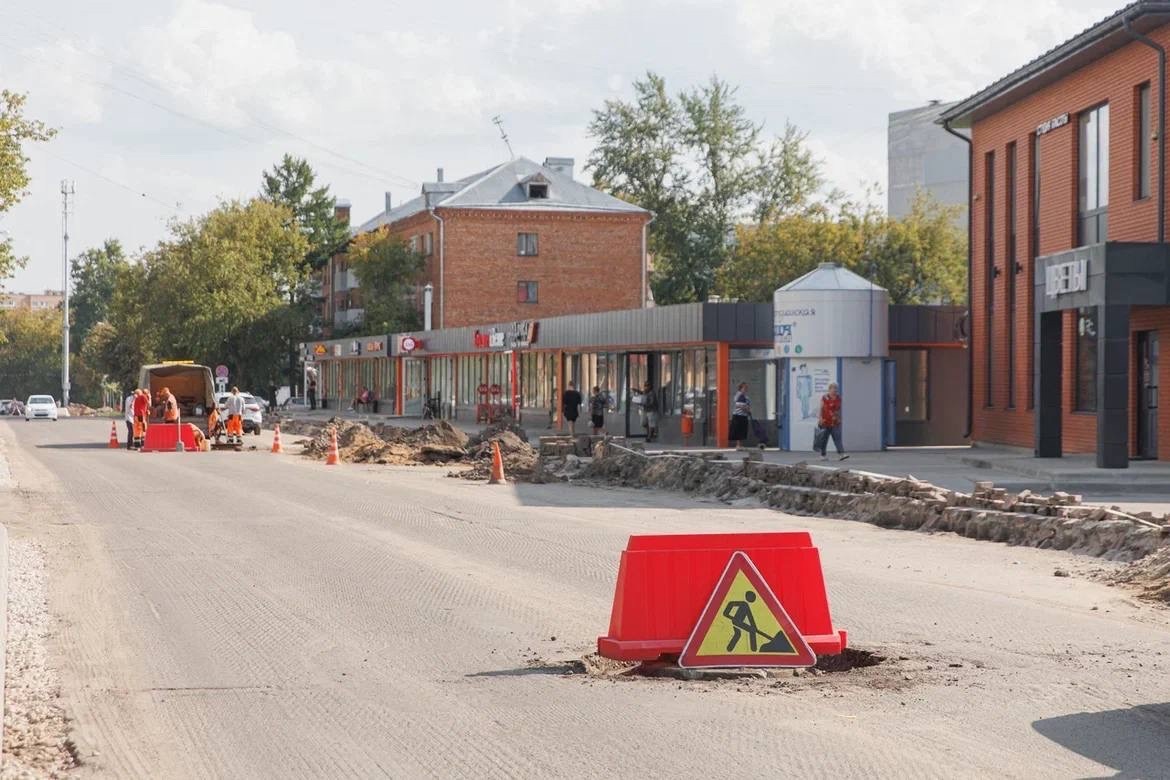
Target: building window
[
  {"x": 1093, "y": 176},
  {"x": 1010, "y": 267},
  {"x": 912, "y": 368},
  {"x": 526, "y": 244},
  {"x": 537, "y": 190},
  {"x": 990, "y": 274},
  {"x": 526, "y": 292},
  {"x": 414, "y": 243},
  {"x": 1086, "y": 357},
  {"x": 428, "y": 244},
  {"x": 1143, "y": 141}
]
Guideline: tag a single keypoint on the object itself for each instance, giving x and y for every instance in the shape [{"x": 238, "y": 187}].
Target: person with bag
[
  {"x": 740, "y": 415},
  {"x": 829, "y": 424}
]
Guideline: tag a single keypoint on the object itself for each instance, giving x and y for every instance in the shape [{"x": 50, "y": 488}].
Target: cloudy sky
[{"x": 166, "y": 107}]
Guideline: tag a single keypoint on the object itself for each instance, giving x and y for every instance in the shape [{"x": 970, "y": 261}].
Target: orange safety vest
[{"x": 170, "y": 409}]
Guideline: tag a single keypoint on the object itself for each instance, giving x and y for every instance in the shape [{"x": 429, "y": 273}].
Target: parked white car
[
  {"x": 40, "y": 407},
  {"x": 253, "y": 415}
]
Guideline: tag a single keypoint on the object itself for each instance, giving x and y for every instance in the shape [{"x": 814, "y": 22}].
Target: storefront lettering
[
  {"x": 1063, "y": 278},
  {"x": 1049, "y": 125},
  {"x": 355, "y": 348},
  {"x": 375, "y": 346},
  {"x": 517, "y": 334},
  {"x": 784, "y": 331}
]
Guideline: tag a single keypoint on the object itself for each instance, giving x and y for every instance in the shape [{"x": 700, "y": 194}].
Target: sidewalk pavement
[{"x": 1145, "y": 485}]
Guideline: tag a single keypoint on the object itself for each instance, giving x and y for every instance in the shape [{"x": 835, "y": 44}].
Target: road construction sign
[{"x": 744, "y": 624}]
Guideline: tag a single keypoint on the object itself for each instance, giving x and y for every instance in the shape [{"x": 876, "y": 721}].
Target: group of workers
[{"x": 138, "y": 407}]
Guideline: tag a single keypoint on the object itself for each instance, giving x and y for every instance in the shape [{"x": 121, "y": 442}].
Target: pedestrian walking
[
  {"x": 598, "y": 401},
  {"x": 650, "y": 412},
  {"x": 128, "y": 416},
  {"x": 829, "y": 424},
  {"x": 741, "y": 414},
  {"x": 571, "y": 406},
  {"x": 312, "y": 393}
]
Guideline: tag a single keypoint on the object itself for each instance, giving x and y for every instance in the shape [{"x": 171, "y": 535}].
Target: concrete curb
[{"x": 6, "y": 485}]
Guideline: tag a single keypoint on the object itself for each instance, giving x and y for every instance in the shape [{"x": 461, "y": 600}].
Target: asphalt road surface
[{"x": 249, "y": 615}]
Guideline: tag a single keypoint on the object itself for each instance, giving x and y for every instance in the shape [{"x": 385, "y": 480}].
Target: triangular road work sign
[{"x": 744, "y": 624}]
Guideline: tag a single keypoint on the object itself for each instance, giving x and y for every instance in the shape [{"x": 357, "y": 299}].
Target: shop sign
[
  {"x": 373, "y": 347},
  {"x": 517, "y": 334},
  {"x": 489, "y": 339},
  {"x": 320, "y": 349},
  {"x": 355, "y": 348},
  {"x": 1049, "y": 125},
  {"x": 336, "y": 350},
  {"x": 409, "y": 344},
  {"x": 1063, "y": 278}
]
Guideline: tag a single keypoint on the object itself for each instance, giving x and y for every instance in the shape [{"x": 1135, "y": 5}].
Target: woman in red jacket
[{"x": 829, "y": 424}]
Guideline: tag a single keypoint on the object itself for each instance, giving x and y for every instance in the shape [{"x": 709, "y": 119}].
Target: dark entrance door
[
  {"x": 640, "y": 369},
  {"x": 1147, "y": 407}
]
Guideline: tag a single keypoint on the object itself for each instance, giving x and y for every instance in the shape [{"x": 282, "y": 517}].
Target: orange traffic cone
[
  {"x": 114, "y": 436},
  {"x": 334, "y": 457},
  {"x": 276, "y": 440},
  {"x": 497, "y": 477}
]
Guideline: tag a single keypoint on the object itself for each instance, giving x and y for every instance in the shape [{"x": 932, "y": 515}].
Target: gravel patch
[{"x": 36, "y": 732}]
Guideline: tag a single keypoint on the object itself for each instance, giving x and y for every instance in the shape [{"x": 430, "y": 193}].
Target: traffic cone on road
[
  {"x": 276, "y": 448},
  {"x": 334, "y": 457},
  {"x": 497, "y": 477},
  {"x": 113, "y": 445}
]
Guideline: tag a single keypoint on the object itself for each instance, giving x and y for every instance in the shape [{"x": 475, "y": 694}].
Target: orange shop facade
[{"x": 691, "y": 355}]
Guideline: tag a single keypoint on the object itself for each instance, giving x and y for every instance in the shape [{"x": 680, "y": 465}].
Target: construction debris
[
  {"x": 1151, "y": 575},
  {"x": 519, "y": 457},
  {"x": 1058, "y": 522}
]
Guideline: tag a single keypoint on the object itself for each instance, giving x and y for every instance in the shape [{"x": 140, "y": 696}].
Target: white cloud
[{"x": 63, "y": 79}]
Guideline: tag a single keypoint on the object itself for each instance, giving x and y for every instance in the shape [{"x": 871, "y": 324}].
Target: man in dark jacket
[{"x": 571, "y": 406}]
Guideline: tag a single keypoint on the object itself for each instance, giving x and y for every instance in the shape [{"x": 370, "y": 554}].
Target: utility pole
[
  {"x": 500, "y": 124},
  {"x": 66, "y": 191}
]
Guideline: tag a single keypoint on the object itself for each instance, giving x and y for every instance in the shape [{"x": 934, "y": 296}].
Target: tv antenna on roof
[{"x": 500, "y": 124}]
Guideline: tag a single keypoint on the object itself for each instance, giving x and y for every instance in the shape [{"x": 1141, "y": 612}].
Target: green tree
[
  {"x": 131, "y": 338},
  {"x": 216, "y": 291},
  {"x": 918, "y": 259},
  {"x": 15, "y": 131},
  {"x": 702, "y": 166},
  {"x": 30, "y": 355},
  {"x": 388, "y": 271},
  {"x": 292, "y": 184},
  {"x": 95, "y": 276}
]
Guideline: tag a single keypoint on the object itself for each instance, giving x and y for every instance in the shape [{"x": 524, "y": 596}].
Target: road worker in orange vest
[
  {"x": 233, "y": 406},
  {"x": 170, "y": 406}
]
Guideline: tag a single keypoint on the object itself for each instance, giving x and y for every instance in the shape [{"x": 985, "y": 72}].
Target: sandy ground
[{"x": 250, "y": 615}]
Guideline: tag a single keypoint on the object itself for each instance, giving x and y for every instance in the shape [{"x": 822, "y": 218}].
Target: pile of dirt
[
  {"x": 1151, "y": 575},
  {"x": 519, "y": 457},
  {"x": 388, "y": 444},
  {"x": 81, "y": 410},
  {"x": 505, "y": 423}
]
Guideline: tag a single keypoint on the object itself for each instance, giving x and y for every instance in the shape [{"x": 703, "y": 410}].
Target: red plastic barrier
[
  {"x": 161, "y": 437},
  {"x": 665, "y": 581}
]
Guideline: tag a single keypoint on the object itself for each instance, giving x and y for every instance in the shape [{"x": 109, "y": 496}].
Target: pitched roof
[
  {"x": 1090, "y": 44},
  {"x": 503, "y": 187},
  {"x": 830, "y": 276}
]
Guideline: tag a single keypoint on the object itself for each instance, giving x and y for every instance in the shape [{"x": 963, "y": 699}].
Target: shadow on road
[
  {"x": 556, "y": 668},
  {"x": 1135, "y": 741}
]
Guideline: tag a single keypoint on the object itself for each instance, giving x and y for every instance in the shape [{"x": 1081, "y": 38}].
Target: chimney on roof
[
  {"x": 439, "y": 175},
  {"x": 341, "y": 212},
  {"x": 387, "y": 201},
  {"x": 562, "y": 165}
]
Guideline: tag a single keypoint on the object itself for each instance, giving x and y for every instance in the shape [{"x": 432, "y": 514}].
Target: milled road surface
[{"x": 249, "y": 615}]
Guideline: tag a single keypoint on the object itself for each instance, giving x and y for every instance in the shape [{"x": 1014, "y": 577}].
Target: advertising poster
[{"x": 808, "y": 380}]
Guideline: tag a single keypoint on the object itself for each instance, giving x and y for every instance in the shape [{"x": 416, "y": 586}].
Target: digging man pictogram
[{"x": 743, "y": 621}]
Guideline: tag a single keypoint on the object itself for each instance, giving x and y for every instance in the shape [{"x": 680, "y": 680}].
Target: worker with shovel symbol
[{"x": 743, "y": 621}]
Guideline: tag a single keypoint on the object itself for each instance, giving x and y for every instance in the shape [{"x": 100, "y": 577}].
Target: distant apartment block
[
  {"x": 923, "y": 156},
  {"x": 48, "y": 300}
]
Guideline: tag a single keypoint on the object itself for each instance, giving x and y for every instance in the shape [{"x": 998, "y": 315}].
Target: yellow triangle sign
[{"x": 744, "y": 624}]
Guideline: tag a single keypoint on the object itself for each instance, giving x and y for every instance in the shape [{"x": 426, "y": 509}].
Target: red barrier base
[
  {"x": 664, "y": 582},
  {"x": 161, "y": 437}
]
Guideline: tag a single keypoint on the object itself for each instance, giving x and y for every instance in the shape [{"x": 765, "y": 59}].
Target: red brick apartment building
[
  {"x": 1070, "y": 270},
  {"x": 519, "y": 241}
]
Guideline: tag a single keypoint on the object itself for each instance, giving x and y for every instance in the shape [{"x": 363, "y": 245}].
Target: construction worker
[
  {"x": 170, "y": 406},
  {"x": 234, "y": 408},
  {"x": 141, "y": 414},
  {"x": 215, "y": 428}
]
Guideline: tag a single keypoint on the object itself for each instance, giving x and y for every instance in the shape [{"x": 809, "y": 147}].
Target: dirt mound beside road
[
  {"x": 388, "y": 444},
  {"x": 519, "y": 457},
  {"x": 1150, "y": 574}
]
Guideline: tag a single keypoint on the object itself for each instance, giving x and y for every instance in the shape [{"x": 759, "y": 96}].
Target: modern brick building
[
  {"x": 1070, "y": 271},
  {"x": 518, "y": 241}
]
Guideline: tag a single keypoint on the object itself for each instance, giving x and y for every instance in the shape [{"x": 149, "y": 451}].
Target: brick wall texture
[
  {"x": 585, "y": 263},
  {"x": 1002, "y": 407}
]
